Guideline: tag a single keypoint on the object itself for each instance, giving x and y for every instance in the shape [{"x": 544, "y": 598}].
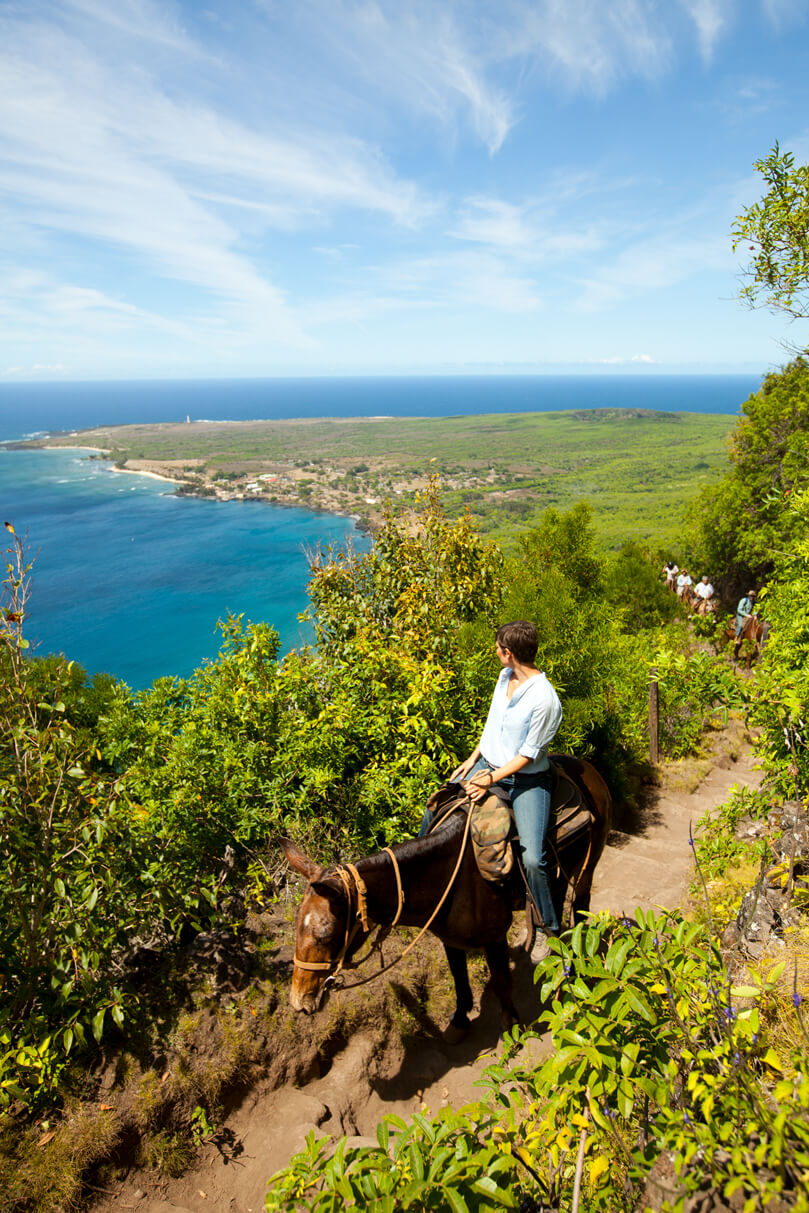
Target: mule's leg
[
  {"x": 459, "y": 1024},
  {"x": 581, "y": 898},
  {"x": 497, "y": 960}
]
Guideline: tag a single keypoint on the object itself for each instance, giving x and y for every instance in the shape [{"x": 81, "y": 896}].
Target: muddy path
[{"x": 648, "y": 863}]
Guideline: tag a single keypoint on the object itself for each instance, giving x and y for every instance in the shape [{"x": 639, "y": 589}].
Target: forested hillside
[{"x": 134, "y": 823}]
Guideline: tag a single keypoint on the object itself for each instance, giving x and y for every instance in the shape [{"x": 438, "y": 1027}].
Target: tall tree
[
  {"x": 744, "y": 524},
  {"x": 776, "y": 231}
]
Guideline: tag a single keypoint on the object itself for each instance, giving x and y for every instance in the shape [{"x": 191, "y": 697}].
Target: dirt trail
[{"x": 648, "y": 863}]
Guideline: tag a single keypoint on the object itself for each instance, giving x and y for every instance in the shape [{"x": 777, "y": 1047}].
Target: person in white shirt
[
  {"x": 683, "y": 581},
  {"x": 524, "y": 716},
  {"x": 703, "y": 589}
]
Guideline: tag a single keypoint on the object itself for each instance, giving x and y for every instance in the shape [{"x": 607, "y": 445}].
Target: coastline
[
  {"x": 201, "y": 485},
  {"x": 638, "y": 467}
]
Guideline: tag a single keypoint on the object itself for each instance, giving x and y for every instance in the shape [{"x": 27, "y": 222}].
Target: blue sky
[{"x": 285, "y": 187}]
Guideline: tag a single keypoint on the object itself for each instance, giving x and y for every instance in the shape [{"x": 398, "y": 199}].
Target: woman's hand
[
  {"x": 461, "y": 771},
  {"x": 478, "y": 787}
]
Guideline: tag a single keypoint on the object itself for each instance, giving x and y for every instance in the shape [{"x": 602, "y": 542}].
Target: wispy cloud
[
  {"x": 525, "y": 230},
  {"x": 782, "y": 13},
  {"x": 104, "y": 153},
  {"x": 651, "y": 264},
  {"x": 710, "y": 18},
  {"x": 423, "y": 55},
  {"x": 159, "y": 24},
  {"x": 588, "y": 45}
]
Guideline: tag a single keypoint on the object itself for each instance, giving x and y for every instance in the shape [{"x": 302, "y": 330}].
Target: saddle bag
[{"x": 491, "y": 830}]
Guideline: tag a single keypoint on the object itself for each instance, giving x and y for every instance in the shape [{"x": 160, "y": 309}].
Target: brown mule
[
  {"x": 755, "y": 632},
  {"x": 403, "y": 886}
]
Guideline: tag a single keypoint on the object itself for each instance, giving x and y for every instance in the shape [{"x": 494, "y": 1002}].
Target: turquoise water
[{"x": 131, "y": 580}]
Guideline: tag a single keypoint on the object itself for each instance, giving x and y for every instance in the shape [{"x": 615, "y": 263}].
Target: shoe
[{"x": 540, "y": 950}]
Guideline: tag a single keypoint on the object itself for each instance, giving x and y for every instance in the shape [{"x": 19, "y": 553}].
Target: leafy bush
[
  {"x": 694, "y": 687},
  {"x": 634, "y": 587},
  {"x": 780, "y": 705},
  {"x": 78, "y": 878},
  {"x": 744, "y": 528},
  {"x": 454, "y": 1160}
]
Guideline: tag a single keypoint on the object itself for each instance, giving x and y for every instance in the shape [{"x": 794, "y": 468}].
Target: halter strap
[
  {"x": 352, "y": 883},
  {"x": 336, "y": 966}
]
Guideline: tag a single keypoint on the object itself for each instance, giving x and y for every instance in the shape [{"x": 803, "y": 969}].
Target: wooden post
[{"x": 654, "y": 702}]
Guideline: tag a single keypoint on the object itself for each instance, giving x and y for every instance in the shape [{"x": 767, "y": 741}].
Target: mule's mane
[{"x": 408, "y": 852}]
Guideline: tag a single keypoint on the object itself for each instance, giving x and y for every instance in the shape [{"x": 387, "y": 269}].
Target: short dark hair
[{"x": 520, "y": 638}]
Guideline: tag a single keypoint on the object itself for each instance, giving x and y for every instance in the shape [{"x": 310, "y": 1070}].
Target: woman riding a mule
[
  {"x": 433, "y": 883},
  {"x": 524, "y": 716}
]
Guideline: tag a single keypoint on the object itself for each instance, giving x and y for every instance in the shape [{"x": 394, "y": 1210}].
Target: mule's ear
[
  {"x": 334, "y": 894},
  {"x": 296, "y": 859}
]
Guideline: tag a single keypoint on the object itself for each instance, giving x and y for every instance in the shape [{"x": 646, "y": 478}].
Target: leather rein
[{"x": 356, "y": 895}]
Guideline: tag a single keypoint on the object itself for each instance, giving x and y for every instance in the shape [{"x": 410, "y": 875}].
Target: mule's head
[{"x": 320, "y": 931}]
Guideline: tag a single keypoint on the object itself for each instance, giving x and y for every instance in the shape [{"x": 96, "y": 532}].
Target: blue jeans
[{"x": 531, "y": 801}]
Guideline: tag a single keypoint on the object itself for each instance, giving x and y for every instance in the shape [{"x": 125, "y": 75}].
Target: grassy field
[{"x": 639, "y": 470}]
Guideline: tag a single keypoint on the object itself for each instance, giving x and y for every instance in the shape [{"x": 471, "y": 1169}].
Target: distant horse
[
  {"x": 755, "y": 631},
  {"x": 705, "y": 606},
  {"x": 403, "y": 885}
]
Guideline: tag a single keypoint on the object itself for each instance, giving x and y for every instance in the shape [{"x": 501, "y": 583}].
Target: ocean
[
  {"x": 130, "y": 579},
  {"x": 27, "y": 407}
]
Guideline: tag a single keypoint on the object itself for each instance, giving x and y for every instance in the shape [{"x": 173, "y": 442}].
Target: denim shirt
[{"x": 525, "y": 724}]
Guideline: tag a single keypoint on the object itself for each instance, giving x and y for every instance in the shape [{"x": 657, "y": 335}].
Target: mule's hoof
[{"x": 453, "y": 1035}]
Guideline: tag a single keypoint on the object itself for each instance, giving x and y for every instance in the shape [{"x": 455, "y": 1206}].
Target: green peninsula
[{"x": 638, "y": 469}]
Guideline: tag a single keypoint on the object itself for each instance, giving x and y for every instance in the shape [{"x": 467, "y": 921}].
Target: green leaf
[
  {"x": 638, "y": 1004},
  {"x": 455, "y": 1200},
  {"x": 97, "y": 1024}
]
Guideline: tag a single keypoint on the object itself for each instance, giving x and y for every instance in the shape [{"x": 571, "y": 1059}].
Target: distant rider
[
  {"x": 670, "y": 571},
  {"x": 684, "y": 583},
  {"x": 744, "y": 610},
  {"x": 704, "y": 591}
]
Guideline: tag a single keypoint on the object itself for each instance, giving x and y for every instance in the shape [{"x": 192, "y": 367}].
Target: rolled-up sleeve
[{"x": 545, "y": 720}]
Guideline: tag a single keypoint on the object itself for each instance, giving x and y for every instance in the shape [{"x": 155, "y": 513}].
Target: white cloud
[
  {"x": 432, "y": 58},
  {"x": 783, "y": 12},
  {"x": 103, "y": 153},
  {"x": 654, "y": 263},
  {"x": 56, "y": 368},
  {"x": 475, "y": 278},
  {"x": 141, "y": 19},
  {"x": 588, "y": 46},
  {"x": 530, "y": 230},
  {"x": 710, "y": 18}
]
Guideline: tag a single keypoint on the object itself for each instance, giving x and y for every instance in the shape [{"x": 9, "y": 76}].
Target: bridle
[{"x": 356, "y": 894}]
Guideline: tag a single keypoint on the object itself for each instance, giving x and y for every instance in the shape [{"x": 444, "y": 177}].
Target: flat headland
[{"x": 638, "y": 468}]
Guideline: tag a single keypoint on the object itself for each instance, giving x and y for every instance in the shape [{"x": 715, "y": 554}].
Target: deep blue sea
[
  {"x": 131, "y": 580},
  {"x": 25, "y": 407}
]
